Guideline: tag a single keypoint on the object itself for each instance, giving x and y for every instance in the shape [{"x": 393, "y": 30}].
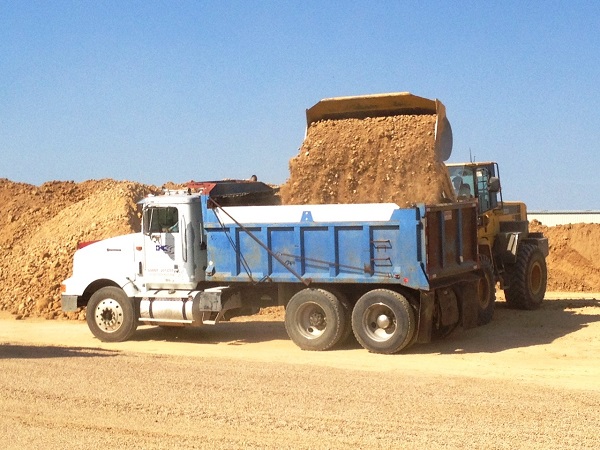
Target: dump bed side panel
[
  {"x": 385, "y": 252},
  {"x": 348, "y": 252}
]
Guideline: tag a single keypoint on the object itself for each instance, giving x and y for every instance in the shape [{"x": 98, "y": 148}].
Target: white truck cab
[
  {"x": 173, "y": 254},
  {"x": 169, "y": 254}
]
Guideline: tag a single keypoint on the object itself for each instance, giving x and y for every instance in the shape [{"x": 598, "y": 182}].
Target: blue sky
[{"x": 155, "y": 91}]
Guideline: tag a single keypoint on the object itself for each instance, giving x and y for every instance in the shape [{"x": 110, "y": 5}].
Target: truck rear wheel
[
  {"x": 347, "y": 335},
  {"x": 383, "y": 321},
  {"x": 315, "y": 319},
  {"x": 528, "y": 278},
  {"x": 110, "y": 315}
]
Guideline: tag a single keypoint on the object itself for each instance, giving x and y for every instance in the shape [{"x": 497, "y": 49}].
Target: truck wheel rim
[
  {"x": 312, "y": 321},
  {"x": 379, "y": 322},
  {"x": 109, "y": 315}
]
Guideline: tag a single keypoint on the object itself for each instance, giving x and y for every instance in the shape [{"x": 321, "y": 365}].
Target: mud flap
[
  {"x": 425, "y": 319},
  {"x": 469, "y": 304}
]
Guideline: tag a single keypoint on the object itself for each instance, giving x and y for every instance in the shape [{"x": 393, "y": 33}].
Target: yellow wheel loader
[
  {"x": 509, "y": 253},
  {"x": 517, "y": 256}
]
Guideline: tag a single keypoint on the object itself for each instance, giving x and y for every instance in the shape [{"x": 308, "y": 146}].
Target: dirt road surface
[{"x": 529, "y": 379}]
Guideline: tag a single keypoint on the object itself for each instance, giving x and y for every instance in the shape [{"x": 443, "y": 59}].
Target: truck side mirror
[
  {"x": 147, "y": 214},
  {"x": 494, "y": 184}
]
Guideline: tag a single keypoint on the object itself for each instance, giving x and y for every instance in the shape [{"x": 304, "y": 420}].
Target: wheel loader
[{"x": 510, "y": 254}]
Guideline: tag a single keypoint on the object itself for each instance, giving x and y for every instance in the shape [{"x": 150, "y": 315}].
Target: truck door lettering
[{"x": 165, "y": 249}]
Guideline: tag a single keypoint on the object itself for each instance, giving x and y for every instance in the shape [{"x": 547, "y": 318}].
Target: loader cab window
[
  {"x": 487, "y": 200},
  {"x": 161, "y": 220},
  {"x": 475, "y": 182},
  {"x": 462, "y": 181}
]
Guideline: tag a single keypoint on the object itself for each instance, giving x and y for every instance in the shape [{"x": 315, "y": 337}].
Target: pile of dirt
[
  {"x": 391, "y": 159},
  {"x": 573, "y": 264},
  {"x": 381, "y": 159},
  {"x": 40, "y": 227}
]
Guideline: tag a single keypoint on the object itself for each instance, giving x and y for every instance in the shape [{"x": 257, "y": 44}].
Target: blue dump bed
[{"x": 417, "y": 247}]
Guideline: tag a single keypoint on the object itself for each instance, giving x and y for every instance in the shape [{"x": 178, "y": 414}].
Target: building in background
[{"x": 552, "y": 218}]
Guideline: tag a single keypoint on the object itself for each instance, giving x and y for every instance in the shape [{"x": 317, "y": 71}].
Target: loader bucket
[{"x": 381, "y": 105}]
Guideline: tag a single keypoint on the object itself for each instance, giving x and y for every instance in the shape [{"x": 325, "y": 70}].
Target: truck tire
[
  {"x": 383, "y": 321},
  {"x": 110, "y": 315},
  {"x": 347, "y": 335},
  {"x": 486, "y": 295},
  {"x": 528, "y": 278},
  {"x": 314, "y": 319}
]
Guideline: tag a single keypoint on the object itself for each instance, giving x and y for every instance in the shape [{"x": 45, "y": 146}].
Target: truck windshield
[{"x": 161, "y": 220}]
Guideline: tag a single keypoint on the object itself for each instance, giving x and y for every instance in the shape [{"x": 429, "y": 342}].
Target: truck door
[{"x": 164, "y": 254}]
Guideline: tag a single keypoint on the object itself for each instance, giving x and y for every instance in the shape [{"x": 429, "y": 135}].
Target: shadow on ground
[
  {"x": 230, "y": 333},
  {"x": 16, "y": 351},
  {"x": 511, "y": 328}
]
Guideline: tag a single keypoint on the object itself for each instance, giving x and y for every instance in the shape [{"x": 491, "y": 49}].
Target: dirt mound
[
  {"x": 40, "y": 228},
  {"x": 382, "y": 159},
  {"x": 573, "y": 264},
  {"x": 391, "y": 159}
]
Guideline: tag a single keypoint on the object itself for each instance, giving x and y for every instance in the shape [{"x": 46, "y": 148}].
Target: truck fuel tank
[{"x": 199, "y": 307}]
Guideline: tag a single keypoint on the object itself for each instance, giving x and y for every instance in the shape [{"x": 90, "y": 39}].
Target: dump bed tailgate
[{"x": 451, "y": 234}]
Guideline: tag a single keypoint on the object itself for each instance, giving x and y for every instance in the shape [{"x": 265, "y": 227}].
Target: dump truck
[
  {"x": 390, "y": 276},
  {"x": 510, "y": 254}
]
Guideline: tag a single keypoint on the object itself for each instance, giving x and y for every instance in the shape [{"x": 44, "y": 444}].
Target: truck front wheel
[
  {"x": 110, "y": 315},
  {"x": 528, "y": 278},
  {"x": 383, "y": 321},
  {"x": 315, "y": 319}
]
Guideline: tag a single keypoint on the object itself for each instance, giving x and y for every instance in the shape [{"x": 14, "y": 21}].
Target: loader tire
[
  {"x": 383, "y": 321},
  {"x": 528, "y": 278},
  {"x": 315, "y": 319},
  {"x": 486, "y": 295},
  {"x": 110, "y": 315}
]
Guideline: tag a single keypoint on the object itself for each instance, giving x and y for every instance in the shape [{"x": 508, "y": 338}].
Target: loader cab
[
  {"x": 477, "y": 180},
  {"x": 173, "y": 254}
]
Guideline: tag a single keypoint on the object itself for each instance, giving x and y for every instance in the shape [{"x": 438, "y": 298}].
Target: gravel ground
[{"x": 527, "y": 380}]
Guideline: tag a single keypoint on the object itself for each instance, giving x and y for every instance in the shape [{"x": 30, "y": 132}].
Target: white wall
[{"x": 552, "y": 218}]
